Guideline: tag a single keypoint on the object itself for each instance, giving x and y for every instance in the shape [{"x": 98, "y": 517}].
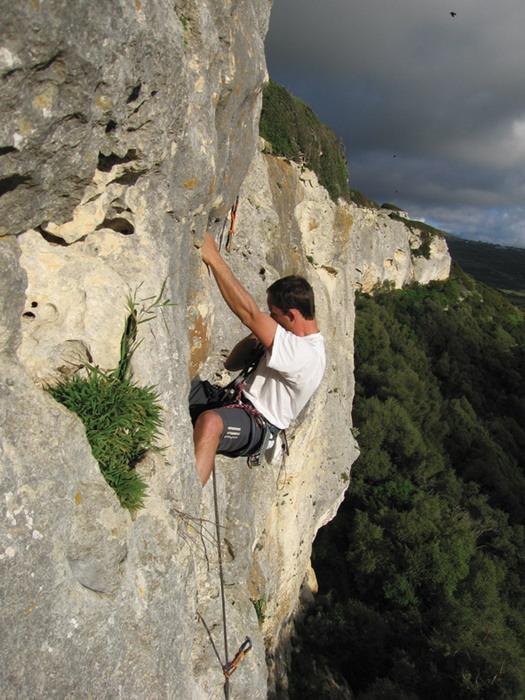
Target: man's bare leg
[{"x": 206, "y": 438}]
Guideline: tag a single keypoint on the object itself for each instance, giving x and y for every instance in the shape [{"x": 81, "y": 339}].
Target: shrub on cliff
[
  {"x": 362, "y": 200},
  {"x": 122, "y": 420},
  {"x": 426, "y": 232},
  {"x": 294, "y": 131}
]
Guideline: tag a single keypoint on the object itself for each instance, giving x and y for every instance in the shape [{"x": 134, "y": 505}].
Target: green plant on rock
[
  {"x": 122, "y": 420},
  {"x": 362, "y": 200},
  {"x": 427, "y": 233},
  {"x": 260, "y": 608}
]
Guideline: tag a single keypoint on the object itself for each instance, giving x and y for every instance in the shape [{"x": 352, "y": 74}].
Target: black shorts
[{"x": 242, "y": 433}]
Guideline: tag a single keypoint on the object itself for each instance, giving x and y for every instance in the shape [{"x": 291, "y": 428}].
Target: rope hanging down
[
  {"x": 228, "y": 667},
  {"x": 221, "y": 577}
]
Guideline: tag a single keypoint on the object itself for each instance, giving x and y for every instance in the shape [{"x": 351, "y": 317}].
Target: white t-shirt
[{"x": 287, "y": 375}]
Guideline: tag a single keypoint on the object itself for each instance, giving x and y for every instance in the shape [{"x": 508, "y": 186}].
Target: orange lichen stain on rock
[
  {"x": 141, "y": 591},
  {"x": 284, "y": 182},
  {"x": 190, "y": 184},
  {"x": 283, "y": 165},
  {"x": 343, "y": 224},
  {"x": 199, "y": 344},
  {"x": 24, "y": 127},
  {"x": 138, "y": 5},
  {"x": 313, "y": 224},
  {"x": 29, "y": 609},
  {"x": 104, "y": 103},
  {"x": 78, "y": 498}
]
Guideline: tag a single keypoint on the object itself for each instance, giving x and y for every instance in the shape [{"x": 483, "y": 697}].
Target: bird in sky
[{"x": 453, "y": 14}]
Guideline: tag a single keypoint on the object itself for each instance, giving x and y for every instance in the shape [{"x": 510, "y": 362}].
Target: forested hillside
[
  {"x": 421, "y": 575},
  {"x": 500, "y": 266}
]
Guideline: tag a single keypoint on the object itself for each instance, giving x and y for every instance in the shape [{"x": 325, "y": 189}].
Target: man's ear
[{"x": 293, "y": 314}]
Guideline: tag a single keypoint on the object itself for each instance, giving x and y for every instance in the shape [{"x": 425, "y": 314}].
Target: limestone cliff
[
  {"x": 127, "y": 128},
  {"x": 393, "y": 250}
]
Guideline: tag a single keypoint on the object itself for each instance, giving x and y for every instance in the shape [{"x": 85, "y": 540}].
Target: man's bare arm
[
  {"x": 246, "y": 351},
  {"x": 238, "y": 299}
]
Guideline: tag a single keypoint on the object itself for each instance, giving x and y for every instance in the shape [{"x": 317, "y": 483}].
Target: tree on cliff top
[{"x": 295, "y": 132}]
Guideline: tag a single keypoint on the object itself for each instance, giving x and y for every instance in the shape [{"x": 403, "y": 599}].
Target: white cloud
[
  {"x": 505, "y": 227},
  {"x": 500, "y": 147}
]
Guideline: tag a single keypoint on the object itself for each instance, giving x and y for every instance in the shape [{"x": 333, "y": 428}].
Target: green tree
[{"x": 421, "y": 574}]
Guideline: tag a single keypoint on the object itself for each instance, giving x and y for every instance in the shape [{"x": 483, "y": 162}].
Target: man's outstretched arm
[{"x": 238, "y": 299}]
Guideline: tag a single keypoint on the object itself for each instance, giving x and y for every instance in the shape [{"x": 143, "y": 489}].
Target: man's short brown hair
[{"x": 293, "y": 292}]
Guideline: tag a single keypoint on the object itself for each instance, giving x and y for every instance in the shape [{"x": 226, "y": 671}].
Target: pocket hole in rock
[
  {"x": 118, "y": 224},
  {"x": 134, "y": 93}
]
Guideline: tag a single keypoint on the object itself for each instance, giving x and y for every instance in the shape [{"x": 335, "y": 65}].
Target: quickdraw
[
  {"x": 219, "y": 235},
  {"x": 231, "y": 666},
  {"x": 233, "y": 217}
]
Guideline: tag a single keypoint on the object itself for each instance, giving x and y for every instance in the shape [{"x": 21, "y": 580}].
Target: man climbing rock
[{"x": 289, "y": 371}]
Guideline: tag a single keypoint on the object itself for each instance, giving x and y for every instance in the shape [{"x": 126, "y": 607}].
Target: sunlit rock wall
[
  {"x": 389, "y": 250},
  {"x": 124, "y": 127}
]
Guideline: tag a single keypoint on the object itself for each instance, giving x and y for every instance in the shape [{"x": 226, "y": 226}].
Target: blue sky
[{"x": 431, "y": 107}]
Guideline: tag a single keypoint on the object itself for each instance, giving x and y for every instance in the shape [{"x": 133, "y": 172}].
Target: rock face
[
  {"x": 126, "y": 130},
  {"x": 390, "y": 250},
  {"x": 125, "y": 126}
]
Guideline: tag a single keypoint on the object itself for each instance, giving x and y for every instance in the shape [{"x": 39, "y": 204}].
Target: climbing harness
[
  {"x": 231, "y": 231},
  {"x": 270, "y": 435},
  {"x": 232, "y": 396}
]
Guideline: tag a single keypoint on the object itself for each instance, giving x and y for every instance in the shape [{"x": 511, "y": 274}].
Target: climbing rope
[
  {"x": 228, "y": 667},
  {"x": 221, "y": 577},
  {"x": 210, "y": 638}
]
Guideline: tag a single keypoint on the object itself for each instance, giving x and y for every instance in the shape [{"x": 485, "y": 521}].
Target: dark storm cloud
[{"x": 445, "y": 96}]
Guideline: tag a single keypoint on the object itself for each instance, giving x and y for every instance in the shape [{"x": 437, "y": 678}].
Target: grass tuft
[
  {"x": 260, "y": 608},
  {"x": 122, "y": 420}
]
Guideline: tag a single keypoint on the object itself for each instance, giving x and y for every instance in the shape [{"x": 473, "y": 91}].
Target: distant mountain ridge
[{"x": 502, "y": 267}]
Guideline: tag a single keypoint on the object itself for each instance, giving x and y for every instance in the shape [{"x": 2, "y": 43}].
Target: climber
[{"x": 290, "y": 368}]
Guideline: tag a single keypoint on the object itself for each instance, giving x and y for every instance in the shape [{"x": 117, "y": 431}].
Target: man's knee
[{"x": 209, "y": 423}]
